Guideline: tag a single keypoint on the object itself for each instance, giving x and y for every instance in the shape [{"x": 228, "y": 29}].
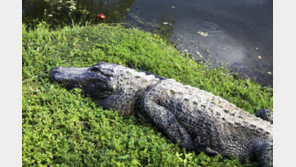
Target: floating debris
[
  {"x": 257, "y": 48},
  {"x": 173, "y": 7},
  {"x": 199, "y": 54},
  {"x": 165, "y": 23},
  {"x": 205, "y": 34},
  {"x": 269, "y": 73},
  {"x": 259, "y": 57}
]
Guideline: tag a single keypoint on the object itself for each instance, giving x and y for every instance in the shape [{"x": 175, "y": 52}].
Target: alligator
[{"x": 195, "y": 119}]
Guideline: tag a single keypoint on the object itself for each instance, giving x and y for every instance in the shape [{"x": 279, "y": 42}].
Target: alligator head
[
  {"x": 95, "y": 81},
  {"x": 113, "y": 85}
]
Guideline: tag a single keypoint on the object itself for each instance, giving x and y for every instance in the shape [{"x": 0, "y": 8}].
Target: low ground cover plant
[{"x": 65, "y": 128}]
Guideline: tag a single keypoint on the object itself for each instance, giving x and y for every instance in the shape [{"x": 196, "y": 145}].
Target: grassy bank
[{"x": 64, "y": 128}]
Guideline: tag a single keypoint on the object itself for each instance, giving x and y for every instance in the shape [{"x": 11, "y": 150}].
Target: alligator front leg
[
  {"x": 162, "y": 118},
  {"x": 262, "y": 150}
]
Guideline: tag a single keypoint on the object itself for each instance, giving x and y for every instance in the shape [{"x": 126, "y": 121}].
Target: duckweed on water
[{"x": 64, "y": 128}]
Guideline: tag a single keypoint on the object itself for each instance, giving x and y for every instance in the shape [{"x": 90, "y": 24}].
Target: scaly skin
[{"x": 198, "y": 120}]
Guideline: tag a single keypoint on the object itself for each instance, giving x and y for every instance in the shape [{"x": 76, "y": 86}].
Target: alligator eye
[{"x": 95, "y": 69}]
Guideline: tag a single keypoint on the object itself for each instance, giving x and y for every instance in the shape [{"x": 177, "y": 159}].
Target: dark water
[{"x": 235, "y": 33}]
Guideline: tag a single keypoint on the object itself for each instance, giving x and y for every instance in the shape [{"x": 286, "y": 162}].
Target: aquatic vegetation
[
  {"x": 59, "y": 13},
  {"x": 64, "y": 128}
]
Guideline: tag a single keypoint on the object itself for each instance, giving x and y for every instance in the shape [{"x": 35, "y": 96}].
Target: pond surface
[{"x": 234, "y": 33}]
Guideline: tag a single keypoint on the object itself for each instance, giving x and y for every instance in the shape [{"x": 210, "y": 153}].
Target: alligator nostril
[{"x": 56, "y": 69}]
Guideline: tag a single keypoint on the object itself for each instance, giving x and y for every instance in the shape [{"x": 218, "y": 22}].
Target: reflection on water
[{"x": 236, "y": 33}]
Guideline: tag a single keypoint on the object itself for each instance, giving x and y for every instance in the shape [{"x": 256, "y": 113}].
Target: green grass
[{"x": 64, "y": 128}]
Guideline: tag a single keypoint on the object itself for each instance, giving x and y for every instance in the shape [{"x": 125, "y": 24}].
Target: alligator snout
[{"x": 54, "y": 71}]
